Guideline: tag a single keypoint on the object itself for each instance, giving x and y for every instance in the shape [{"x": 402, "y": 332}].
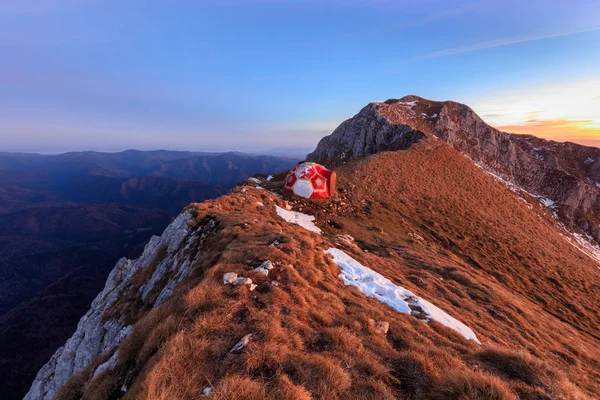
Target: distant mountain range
[{"x": 64, "y": 221}]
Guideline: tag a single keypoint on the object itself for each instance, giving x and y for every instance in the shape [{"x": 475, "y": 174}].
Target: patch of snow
[
  {"x": 260, "y": 188},
  {"x": 434, "y": 116},
  {"x": 589, "y": 160},
  {"x": 269, "y": 178},
  {"x": 546, "y": 202},
  {"x": 253, "y": 180},
  {"x": 304, "y": 220},
  {"x": 597, "y": 185},
  {"x": 410, "y": 104},
  {"x": 585, "y": 244},
  {"x": 400, "y": 299}
]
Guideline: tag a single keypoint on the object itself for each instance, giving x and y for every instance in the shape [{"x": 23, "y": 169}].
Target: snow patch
[
  {"x": 589, "y": 160},
  {"x": 410, "y": 104},
  {"x": 400, "y": 299},
  {"x": 304, "y": 220},
  {"x": 585, "y": 244},
  {"x": 269, "y": 178},
  {"x": 546, "y": 202}
]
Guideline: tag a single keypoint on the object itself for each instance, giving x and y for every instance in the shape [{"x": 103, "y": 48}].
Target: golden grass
[{"x": 314, "y": 338}]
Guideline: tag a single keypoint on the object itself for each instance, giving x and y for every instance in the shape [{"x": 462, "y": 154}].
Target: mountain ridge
[
  {"x": 295, "y": 324},
  {"x": 566, "y": 173}
]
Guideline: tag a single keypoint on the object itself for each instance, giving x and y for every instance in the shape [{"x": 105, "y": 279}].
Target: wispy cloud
[{"x": 490, "y": 44}]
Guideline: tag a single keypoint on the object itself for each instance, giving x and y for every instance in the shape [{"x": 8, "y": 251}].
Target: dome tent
[{"x": 310, "y": 180}]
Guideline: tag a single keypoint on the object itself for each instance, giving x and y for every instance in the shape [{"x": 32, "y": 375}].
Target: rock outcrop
[
  {"x": 105, "y": 325},
  {"x": 567, "y": 174}
]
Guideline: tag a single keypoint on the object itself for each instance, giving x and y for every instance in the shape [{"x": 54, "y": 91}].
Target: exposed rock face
[
  {"x": 368, "y": 132},
  {"x": 95, "y": 333},
  {"x": 568, "y": 174}
]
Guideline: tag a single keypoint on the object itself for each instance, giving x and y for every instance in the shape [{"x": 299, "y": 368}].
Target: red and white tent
[{"x": 310, "y": 180}]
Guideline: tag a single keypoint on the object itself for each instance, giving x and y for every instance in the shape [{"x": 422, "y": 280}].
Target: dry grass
[
  {"x": 470, "y": 386},
  {"x": 314, "y": 338}
]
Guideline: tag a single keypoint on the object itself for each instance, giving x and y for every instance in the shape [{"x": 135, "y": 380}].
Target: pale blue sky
[{"x": 260, "y": 74}]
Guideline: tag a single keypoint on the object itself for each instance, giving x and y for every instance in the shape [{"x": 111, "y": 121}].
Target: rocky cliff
[
  {"x": 133, "y": 285},
  {"x": 566, "y": 176}
]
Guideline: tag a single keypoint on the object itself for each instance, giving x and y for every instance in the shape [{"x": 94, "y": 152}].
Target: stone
[
  {"x": 229, "y": 278},
  {"x": 267, "y": 265},
  {"x": 242, "y": 281},
  {"x": 382, "y": 327},
  {"x": 263, "y": 271},
  {"x": 242, "y": 343}
]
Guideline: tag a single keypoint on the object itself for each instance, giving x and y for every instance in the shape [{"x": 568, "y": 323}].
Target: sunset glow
[{"x": 566, "y": 111}]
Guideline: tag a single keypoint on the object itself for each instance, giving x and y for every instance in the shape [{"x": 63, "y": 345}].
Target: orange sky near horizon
[
  {"x": 561, "y": 130},
  {"x": 560, "y": 111}
]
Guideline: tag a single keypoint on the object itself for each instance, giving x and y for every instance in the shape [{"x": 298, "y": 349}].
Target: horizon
[{"x": 250, "y": 76}]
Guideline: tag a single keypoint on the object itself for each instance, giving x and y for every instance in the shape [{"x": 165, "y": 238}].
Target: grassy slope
[{"x": 432, "y": 222}]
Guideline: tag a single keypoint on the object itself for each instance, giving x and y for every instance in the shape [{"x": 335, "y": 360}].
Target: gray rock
[
  {"x": 229, "y": 278},
  {"x": 242, "y": 343},
  {"x": 382, "y": 327},
  {"x": 267, "y": 265},
  {"x": 262, "y": 270},
  {"x": 242, "y": 281}
]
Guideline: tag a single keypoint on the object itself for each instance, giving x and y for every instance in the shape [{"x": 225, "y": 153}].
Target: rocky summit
[
  {"x": 565, "y": 176},
  {"x": 454, "y": 261}
]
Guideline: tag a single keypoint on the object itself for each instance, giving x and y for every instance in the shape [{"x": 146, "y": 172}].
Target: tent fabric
[{"x": 310, "y": 180}]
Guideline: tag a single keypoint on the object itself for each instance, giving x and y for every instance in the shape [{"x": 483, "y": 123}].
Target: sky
[{"x": 277, "y": 75}]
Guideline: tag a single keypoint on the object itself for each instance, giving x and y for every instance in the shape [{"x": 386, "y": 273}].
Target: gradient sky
[{"x": 261, "y": 74}]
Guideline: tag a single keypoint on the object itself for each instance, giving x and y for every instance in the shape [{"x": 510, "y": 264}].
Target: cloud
[{"x": 501, "y": 43}]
